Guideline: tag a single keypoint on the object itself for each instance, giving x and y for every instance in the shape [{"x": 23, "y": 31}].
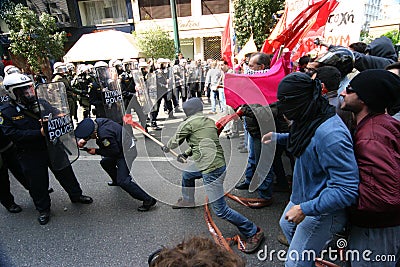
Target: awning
[{"x": 104, "y": 45}]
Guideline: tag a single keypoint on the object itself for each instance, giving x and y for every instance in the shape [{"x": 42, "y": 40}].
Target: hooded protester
[
  {"x": 378, "y": 54},
  {"x": 325, "y": 177},
  {"x": 201, "y": 135}
]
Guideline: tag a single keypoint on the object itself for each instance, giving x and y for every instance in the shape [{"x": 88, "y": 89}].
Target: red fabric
[
  {"x": 297, "y": 29},
  {"x": 226, "y": 43},
  {"x": 306, "y": 43},
  {"x": 220, "y": 124},
  {"x": 255, "y": 89}
]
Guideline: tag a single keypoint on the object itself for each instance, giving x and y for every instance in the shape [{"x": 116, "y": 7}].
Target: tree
[
  {"x": 257, "y": 17},
  {"x": 155, "y": 43},
  {"x": 34, "y": 38},
  {"x": 394, "y": 36}
]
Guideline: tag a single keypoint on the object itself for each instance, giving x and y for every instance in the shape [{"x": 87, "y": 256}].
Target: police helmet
[
  {"x": 85, "y": 128},
  {"x": 82, "y": 69},
  {"x": 339, "y": 57},
  {"x": 70, "y": 66},
  {"x": 59, "y": 67},
  {"x": 17, "y": 80},
  {"x": 100, "y": 64},
  {"x": 11, "y": 69}
]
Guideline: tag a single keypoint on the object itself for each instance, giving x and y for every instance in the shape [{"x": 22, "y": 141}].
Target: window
[
  {"x": 212, "y": 47},
  {"x": 210, "y": 7},
  {"x": 161, "y": 9},
  {"x": 102, "y": 12}
]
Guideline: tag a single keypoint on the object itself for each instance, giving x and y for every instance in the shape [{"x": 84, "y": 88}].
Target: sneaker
[
  {"x": 252, "y": 243},
  {"x": 242, "y": 185},
  {"x": 182, "y": 204}
]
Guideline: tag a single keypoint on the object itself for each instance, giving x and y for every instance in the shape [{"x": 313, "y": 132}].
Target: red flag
[
  {"x": 226, "y": 43},
  {"x": 306, "y": 43},
  {"x": 297, "y": 28},
  {"x": 255, "y": 89}
]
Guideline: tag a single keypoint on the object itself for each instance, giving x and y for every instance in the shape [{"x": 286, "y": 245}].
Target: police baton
[{"x": 128, "y": 120}]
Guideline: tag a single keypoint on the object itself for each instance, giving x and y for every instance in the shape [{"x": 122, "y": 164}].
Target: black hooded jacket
[{"x": 380, "y": 53}]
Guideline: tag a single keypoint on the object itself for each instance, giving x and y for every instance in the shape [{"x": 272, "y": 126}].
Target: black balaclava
[{"x": 300, "y": 100}]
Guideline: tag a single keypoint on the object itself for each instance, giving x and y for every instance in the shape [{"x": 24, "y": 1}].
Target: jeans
[
  {"x": 213, "y": 182},
  {"x": 214, "y": 99},
  {"x": 222, "y": 100},
  {"x": 311, "y": 235},
  {"x": 382, "y": 242},
  {"x": 265, "y": 188}
]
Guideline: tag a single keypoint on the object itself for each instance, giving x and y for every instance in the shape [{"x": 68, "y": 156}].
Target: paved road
[{"x": 111, "y": 232}]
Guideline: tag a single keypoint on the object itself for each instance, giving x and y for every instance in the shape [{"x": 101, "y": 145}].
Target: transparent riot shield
[
  {"x": 151, "y": 83},
  {"x": 179, "y": 81},
  {"x": 57, "y": 124},
  {"x": 4, "y": 98},
  {"x": 142, "y": 90},
  {"x": 111, "y": 94}
]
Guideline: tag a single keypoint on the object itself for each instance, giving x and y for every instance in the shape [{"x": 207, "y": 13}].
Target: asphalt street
[{"x": 110, "y": 231}]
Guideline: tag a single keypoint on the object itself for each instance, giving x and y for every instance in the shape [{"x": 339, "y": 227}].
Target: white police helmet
[
  {"x": 70, "y": 66},
  {"x": 11, "y": 69},
  {"x": 59, "y": 67},
  {"x": 18, "y": 80},
  {"x": 100, "y": 64}
]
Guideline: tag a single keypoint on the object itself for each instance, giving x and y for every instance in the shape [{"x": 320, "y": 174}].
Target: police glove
[
  {"x": 165, "y": 149},
  {"x": 182, "y": 158}
]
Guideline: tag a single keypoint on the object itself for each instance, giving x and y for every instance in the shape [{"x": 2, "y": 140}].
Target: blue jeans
[
  {"x": 312, "y": 234},
  {"x": 213, "y": 182},
  {"x": 265, "y": 188},
  {"x": 380, "y": 241}
]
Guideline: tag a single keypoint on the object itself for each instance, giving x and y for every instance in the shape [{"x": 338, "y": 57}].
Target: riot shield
[
  {"x": 4, "y": 98},
  {"x": 57, "y": 124},
  {"x": 179, "y": 81},
  {"x": 165, "y": 82},
  {"x": 142, "y": 91},
  {"x": 151, "y": 84},
  {"x": 111, "y": 94}
]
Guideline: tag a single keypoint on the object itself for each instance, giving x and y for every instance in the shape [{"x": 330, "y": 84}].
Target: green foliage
[
  {"x": 394, "y": 36},
  {"x": 33, "y": 37},
  {"x": 255, "y": 16},
  {"x": 155, "y": 43}
]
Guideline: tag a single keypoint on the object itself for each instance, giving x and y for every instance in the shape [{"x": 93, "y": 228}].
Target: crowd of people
[{"x": 336, "y": 118}]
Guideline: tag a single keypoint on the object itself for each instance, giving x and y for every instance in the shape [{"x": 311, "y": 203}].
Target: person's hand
[
  {"x": 81, "y": 143},
  {"x": 267, "y": 138},
  {"x": 182, "y": 158},
  {"x": 295, "y": 214},
  {"x": 165, "y": 149},
  {"x": 42, "y": 131},
  {"x": 91, "y": 151}
]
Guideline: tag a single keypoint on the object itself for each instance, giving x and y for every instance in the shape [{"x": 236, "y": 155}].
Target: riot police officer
[
  {"x": 82, "y": 84},
  {"x": 60, "y": 75},
  {"x": 108, "y": 135},
  {"x": 21, "y": 123}
]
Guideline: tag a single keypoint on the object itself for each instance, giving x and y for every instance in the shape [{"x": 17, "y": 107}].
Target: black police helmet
[
  {"x": 339, "y": 57},
  {"x": 85, "y": 128}
]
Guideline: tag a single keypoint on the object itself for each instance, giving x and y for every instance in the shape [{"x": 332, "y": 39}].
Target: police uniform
[
  {"x": 24, "y": 129},
  {"x": 10, "y": 162},
  {"x": 109, "y": 140}
]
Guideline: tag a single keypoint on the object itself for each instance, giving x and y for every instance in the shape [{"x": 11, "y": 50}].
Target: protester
[
  {"x": 201, "y": 135},
  {"x": 394, "y": 109},
  {"x": 375, "y": 219},
  {"x": 325, "y": 178}
]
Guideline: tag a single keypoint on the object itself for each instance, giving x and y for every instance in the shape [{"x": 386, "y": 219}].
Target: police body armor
[
  {"x": 57, "y": 124},
  {"x": 112, "y": 96}
]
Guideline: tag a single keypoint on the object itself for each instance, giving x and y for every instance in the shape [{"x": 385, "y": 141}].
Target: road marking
[{"x": 142, "y": 159}]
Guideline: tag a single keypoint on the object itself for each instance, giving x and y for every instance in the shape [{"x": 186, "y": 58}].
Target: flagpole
[{"x": 232, "y": 32}]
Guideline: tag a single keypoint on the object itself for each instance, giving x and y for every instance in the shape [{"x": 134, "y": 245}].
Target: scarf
[{"x": 300, "y": 100}]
